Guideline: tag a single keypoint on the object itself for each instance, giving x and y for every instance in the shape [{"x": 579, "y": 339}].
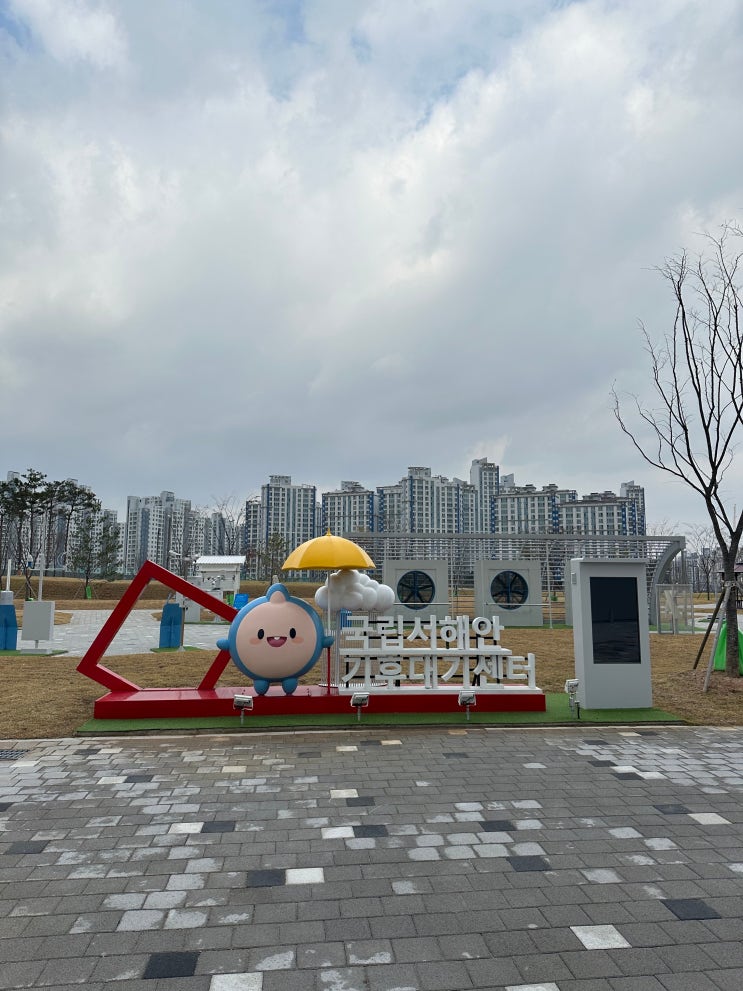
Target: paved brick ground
[{"x": 540, "y": 860}]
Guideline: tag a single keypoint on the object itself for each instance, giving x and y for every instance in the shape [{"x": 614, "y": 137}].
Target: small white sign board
[{"x": 38, "y": 621}]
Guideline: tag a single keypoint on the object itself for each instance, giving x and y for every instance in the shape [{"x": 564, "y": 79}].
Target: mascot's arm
[
  {"x": 223, "y": 644},
  {"x": 327, "y": 641}
]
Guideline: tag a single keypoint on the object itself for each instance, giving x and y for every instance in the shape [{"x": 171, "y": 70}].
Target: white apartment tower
[
  {"x": 285, "y": 512},
  {"x": 425, "y": 503},
  {"x": 349, "y": 509},
  {"x": 158, "y": 528},
  {"x": 485, "y": 476}
]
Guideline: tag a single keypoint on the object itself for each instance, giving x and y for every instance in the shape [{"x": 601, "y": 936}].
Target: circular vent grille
[
  {"x": 416, "y": 589},
  {"x": 509, "y": 589}
]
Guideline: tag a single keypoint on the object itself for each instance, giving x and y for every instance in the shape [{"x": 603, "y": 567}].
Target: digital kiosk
[{"x": 610, "y": 634}]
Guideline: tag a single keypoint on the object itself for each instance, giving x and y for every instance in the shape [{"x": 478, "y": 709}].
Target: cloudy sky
[{"x": 334, "y": 238}]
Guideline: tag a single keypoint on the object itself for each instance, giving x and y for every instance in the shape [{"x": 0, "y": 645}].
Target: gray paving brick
[
  {"x": 728, "y": 979},
  {"x": 475, "y": 920},
  {"x": 690, "y": 981}
]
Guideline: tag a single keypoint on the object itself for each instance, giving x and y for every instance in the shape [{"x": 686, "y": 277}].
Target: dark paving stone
[
  {"x": 528, "y": 863},
  {"x": 5, "y": 805},
  {"x": 495, "y": 826},
  {"x": 365, "y": 832},
  {"x": 12, "y": 754},
  {"x": 455, "y": 756},
  {"x": 219, "y": 826},
  {"x": 690, "y": 908},
  {"x": 138, "y": 778},
  {"x": 265, "y": 878},
  {"x": 360, "y": 801},
  {"x": 370, "y": 743},
  {"x": 596, "y": 743},
  {"x": 171, "y": 965},
  {"x": 306, "y": 754},
  {"x": 602, "y": 763},
  {"x": 672, "y": 810},
  {"x": 27, "y": 846},
  {"x": 627, "y": 776}
]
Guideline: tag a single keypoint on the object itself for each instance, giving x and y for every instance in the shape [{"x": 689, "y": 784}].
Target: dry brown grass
[{"x": 46, "y": 696}]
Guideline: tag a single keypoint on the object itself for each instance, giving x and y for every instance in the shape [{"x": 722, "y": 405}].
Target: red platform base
[{"x": 308, "y": 700}]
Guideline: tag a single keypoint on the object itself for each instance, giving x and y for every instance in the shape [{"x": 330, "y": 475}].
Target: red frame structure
[{"x": 125, "y": 700}]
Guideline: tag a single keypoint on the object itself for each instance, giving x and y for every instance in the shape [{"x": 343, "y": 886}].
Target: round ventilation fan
[
  {"x": 416, "y": 589},
  {"x": 509, "y": 590}
]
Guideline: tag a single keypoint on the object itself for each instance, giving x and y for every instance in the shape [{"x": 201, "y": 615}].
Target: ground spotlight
[
  {"x": 242, "y": 702},
  {"x": 467, "y": 699},
  {"x": 358, "y": 701}
]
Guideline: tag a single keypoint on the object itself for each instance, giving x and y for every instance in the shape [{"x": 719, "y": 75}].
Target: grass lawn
[{"x": 45, "y": 696}]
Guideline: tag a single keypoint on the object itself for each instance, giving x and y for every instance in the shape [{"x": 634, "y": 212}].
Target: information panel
[{"x": 610, "y": 633}]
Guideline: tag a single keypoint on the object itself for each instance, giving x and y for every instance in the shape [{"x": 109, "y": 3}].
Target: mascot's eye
[
  {"x": 261, "y": 634},
  {"x": 292, "y": 633}
]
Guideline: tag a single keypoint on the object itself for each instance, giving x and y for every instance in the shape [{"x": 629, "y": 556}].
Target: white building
[
  {"x": 604, "y": 514},
  {"x": 159, "y": 529},
  {"x": 285, "y": 516},
  {"x": 424, "y": 503},
  {"x": 350, "y": 508},
  {"x": 485, "y": 476}
]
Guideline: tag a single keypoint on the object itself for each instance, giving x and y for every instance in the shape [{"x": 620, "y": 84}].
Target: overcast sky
[{"x": 334, "y": 238}]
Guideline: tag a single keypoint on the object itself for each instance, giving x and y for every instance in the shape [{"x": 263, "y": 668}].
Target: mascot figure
[{"x": 275, "y": 640}]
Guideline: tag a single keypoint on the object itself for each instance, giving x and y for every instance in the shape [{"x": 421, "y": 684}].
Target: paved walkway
[
  {"x": 580, "y": 859},
  {"x": 140, "y": 632}
]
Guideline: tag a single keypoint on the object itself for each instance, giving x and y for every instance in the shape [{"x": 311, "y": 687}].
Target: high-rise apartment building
[
  {"x": 350, "y": 508},
  {"x": 424, "y": 503},
  {"x": 525, "y": 509},
  {"x": 285, "y": 516},
  {"x": 603, "y": 513},
  {"x": 485, "y": 476},
  {"x": 159, "y": 529}
]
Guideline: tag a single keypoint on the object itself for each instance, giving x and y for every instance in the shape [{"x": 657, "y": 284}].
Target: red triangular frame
[{"x": 90, "y": 665}]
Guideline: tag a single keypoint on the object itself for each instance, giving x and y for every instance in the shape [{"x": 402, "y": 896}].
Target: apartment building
[
  {"x": 350, "y": 508},
  {"x": 285, "y": 516},
  {"x": 425, "y": 503},
  {"x": 157, "y": 528},
  {"x": 485, "y": 477}
]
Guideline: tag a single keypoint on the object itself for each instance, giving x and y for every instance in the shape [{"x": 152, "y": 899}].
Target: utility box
[{"x": 610, "y": 633}]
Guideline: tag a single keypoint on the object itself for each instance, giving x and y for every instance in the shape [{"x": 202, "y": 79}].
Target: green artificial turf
[
  {"x": 171, "y": 650},
  {"x": 558, "y": 714},
  {"x": 30, "y": 653}
]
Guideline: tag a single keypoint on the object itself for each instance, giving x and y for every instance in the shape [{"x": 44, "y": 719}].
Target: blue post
[
  {"x": 8, "y": 622},
  {"x": 170, "y": 625}
]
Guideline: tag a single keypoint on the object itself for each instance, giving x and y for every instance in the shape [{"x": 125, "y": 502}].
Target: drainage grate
[{"x": 12, "y": 754}]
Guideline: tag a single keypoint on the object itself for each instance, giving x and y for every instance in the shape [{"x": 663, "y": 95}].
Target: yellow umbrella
[{"x": 327, "y": 553}]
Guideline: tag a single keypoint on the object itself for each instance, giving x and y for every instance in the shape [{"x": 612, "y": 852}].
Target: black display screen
[{"x": 615, "y": 621}]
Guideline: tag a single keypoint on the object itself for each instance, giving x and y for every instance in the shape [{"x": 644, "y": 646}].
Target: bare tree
[
  {"x": 230, "y": 512},
  {"x": 703, "y": 544},
  {"x": 697, "y": 373}
]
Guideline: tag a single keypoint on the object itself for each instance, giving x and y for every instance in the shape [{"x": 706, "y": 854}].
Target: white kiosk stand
[{"x": 610, "y": 634}]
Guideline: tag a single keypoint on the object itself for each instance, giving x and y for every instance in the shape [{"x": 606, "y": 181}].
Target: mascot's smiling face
[{"x": 275, "y": 638}]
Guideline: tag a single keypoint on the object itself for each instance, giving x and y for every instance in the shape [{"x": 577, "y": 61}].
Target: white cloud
[
  {"x": 338, "y": 241},
  {"x": 75, "y": 30}
]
